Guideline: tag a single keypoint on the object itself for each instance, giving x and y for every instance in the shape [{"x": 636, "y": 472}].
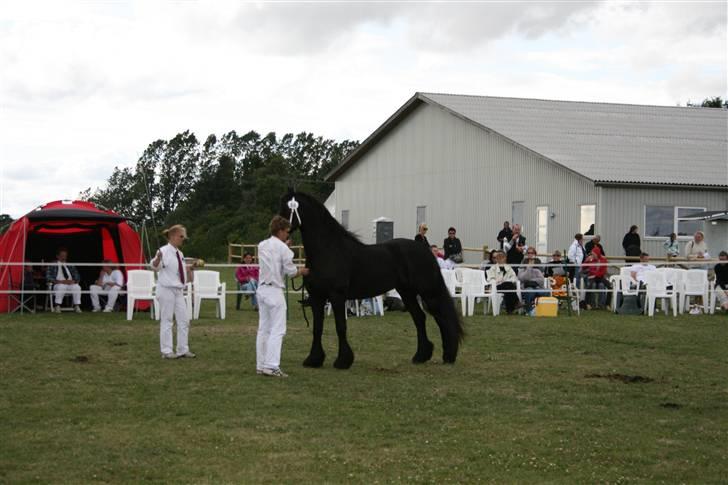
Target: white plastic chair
[
  {"x": 140, "y": 287},
  {"x": 206, "y": 286},
  {"x": 657, "y": 283},
  {"x": 459, "y": 276},
  {"x": 623, "y": 283},
  {"x": 694, "y": 284},
  {"x": 448, "y": 275},
  {"x": 474, "y": 286}
]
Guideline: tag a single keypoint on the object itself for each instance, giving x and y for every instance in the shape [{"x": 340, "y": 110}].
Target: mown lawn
[{"x": 86, "y": 398}]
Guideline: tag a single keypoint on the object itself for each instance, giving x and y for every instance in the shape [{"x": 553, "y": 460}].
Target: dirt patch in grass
[
  {"x": 621, "y": 377},
  {"x": 118, "y": 344},
  {"x": 80, "y": 359},
  {"x": 670, "y": 405}
]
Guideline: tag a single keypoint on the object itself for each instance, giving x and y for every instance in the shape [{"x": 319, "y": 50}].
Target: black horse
[{"x": 343, "y": 268}]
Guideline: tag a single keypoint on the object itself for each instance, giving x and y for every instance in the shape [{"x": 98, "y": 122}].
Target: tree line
[{"x": 224, "y": 189}]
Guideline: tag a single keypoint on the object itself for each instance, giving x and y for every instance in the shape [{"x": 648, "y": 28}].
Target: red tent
[{"x": 90, "y": 233}]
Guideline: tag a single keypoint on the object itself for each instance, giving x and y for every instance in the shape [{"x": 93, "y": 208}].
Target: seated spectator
[
  {"x": 421, "y": 234},
  {"x": 247, "y": 279},
  {"x": 596, "y": 241},
  {"x": 515, "y": 247},
  {"x": 532, "y": 279},
  {"x": 672, "y": 248},
  {"x": 558, "y": 272},
  {"x": 721, "y": 280},
  {"x": 505, "y": 234},
  {"x": 110, "y": 283},
  {"x": 453, "y": 248},
  {"x": 487, "y": 263},
  {"x": 442, "y": 263},
  {"x": 638, "y": 271},
  {"x": 65, "y": 279},
  {"x": 503, "y": 276},
  {"x": 631, "y": 242},
  {"x": 697, "y": 248},
  {"x": 595, "y": 270}
]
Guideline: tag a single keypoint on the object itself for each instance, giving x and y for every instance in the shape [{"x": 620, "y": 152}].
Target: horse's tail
[{"x": 451, "y": 327}]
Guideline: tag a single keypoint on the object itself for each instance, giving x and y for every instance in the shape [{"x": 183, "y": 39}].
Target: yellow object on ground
[{"x": 547, "y": 306}]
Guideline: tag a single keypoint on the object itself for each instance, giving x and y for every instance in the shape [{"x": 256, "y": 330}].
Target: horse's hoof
[
  {"x": 344, "y": 360},
  {"x": 422, "y": 356},
  {"x": 314, "y": 361},
  {"x": 448, "y": 358}
]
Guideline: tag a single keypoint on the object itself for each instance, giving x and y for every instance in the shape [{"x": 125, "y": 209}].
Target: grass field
[{"x": 86, "y": 398}]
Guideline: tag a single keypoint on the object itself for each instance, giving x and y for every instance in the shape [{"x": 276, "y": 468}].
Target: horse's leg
[
  {"x": 346, "y": 355},
  {"x": 317, "y": 355},
  {"x": 424, "y": 346},
  {"x": 436, "y": 307}
]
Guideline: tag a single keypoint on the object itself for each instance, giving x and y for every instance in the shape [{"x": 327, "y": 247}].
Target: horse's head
[{"x": 290, "y": 207}]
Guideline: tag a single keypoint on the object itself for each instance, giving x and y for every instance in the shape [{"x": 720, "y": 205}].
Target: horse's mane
[{"x": 326, "y": 218}]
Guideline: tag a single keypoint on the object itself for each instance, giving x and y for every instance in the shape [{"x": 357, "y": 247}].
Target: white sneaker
[
  {"x": 188, "y": 355},
  {"x": 274, "y": 373},
  {"x": 170, "y": 356},
  {"x": 259, "y": 372},
  {"x": 695, "y": 310},
  {"x": 108, "y": 310},
  {"x": 77, "y": 309},
  {"x": 57, "y": 309},
  {"x": 96, "y": 310}
]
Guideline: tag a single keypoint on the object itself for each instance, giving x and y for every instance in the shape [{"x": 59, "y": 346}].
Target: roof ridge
[{"x": 692, "y": 108}]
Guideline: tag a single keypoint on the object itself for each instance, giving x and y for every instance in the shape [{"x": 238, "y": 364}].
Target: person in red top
[
  {"x": 595, "y": 267},
  {"x": 247, "y": 278}
]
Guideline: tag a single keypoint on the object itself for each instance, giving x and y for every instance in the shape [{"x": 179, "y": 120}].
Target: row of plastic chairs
[
  {"x": 205, "y": 285},
  {"x": 674, "y": 285}
]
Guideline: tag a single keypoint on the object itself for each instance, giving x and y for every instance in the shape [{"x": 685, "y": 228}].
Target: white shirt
[
  {"x": 576, "y": 252},
  {"x": 640, "y": 270},
  {"x": 168, "y": 268},
  {"x": 276, "y": 261},
  {"x": 109, "y": 278},
  {"x": 63, "y": 272},
  {"x": 445, "y": 263}
]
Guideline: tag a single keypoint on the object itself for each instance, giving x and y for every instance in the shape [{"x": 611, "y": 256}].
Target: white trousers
[
  {"x": 271, "y": 327},
  {"x": 721, "y": 295},
  {"x": 112, "y": 293},
  {"x": 60, "y": 290},
  {"x": 172, "y": 304}
]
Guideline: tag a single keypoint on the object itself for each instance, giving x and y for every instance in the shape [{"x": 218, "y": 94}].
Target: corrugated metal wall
[
  {"x": 622, "y": 207},
  {"x": 466, "y": 177}
]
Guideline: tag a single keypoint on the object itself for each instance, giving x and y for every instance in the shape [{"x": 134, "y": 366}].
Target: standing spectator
[
  {"x": 596, "y": 241},
  {"x": 721, "y": 280},
  {"x": 441, "y": 262},
  {"x": 697, "y": 248},
  {"x": 672, "y": 248},
  {"x": 532, "y": 279},
  {"x": 420, "y": 236},
  {"x": 576, "y": 255},
  {"x": 515, "y": 247},
  {"x": 276, "y": 262},
  {"x": 631, "y": 242},
  {"x": 503, "y": 276},
  {"x": 595, "y": 269},
  {"x": 65, "y": 279},
  {"x": 247, "y": 278},
  {"x": 505, "y": 234},
  {"x": 173, "y": 276},
  {"x": 453, "y": 248},
  {"x": 110, "y": 282}
]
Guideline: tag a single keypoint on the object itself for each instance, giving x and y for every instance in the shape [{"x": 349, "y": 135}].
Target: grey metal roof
[
  {"x": 610, "y": 142},
  {"x": 606, "y": 143}
]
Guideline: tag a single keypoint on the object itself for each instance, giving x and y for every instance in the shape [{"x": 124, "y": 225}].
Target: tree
[{"x": 716, "y": 102}]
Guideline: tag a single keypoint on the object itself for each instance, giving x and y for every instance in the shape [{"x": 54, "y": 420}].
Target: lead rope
[{"x": 303, "y": 307}]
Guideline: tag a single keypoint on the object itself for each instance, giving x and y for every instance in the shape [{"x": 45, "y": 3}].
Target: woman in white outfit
[
  {"x": 173, "y": 275},
  {"x": 110, "y": 282},
  {"x": 275, "y": 259}
]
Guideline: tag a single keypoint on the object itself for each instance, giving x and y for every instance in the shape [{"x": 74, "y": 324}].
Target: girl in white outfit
[
  {"x": 173, "y": 275},
  {"x": 276, "y": 261}
]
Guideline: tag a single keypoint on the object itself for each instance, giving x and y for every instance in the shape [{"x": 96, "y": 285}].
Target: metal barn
[{"x": 556, "y": 167}]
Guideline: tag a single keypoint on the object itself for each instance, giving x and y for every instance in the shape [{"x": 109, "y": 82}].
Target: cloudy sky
[{"x": 86, "y": 85}]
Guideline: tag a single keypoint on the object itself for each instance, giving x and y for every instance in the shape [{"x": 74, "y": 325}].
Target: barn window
[
  {"x": 587, "y": 219},
  {"x": 345, "y": 218},
  {"x": 661, "y": 221},
  {"x": 421, "y": 215}
]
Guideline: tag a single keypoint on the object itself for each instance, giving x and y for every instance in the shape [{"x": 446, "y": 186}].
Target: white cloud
[{"x": 86, "y": 86}]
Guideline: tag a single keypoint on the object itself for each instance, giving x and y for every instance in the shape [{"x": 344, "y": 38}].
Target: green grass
[{"x": 516, "y": 407}]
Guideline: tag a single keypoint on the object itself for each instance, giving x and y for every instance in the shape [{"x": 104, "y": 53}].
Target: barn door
[{"x": 385, "y": 231}]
